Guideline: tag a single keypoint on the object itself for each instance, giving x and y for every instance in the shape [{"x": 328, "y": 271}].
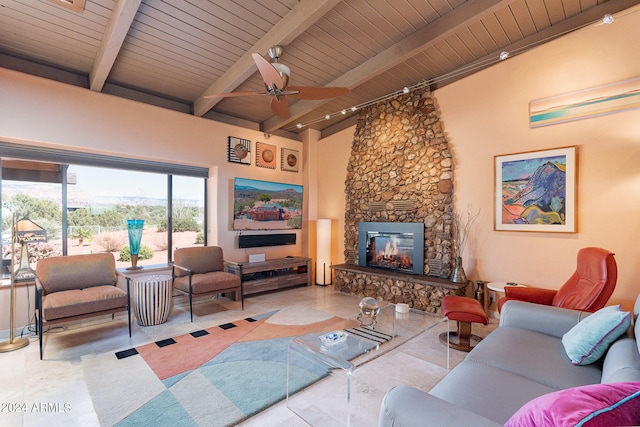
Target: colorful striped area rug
[{"x": 218, "y": 376}]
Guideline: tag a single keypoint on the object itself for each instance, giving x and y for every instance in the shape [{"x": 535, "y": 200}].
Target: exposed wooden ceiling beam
[
  {"x": 419, "y": 41},
  {"x": 120, "y": 21},
  {"x": 297, "y": 21}
]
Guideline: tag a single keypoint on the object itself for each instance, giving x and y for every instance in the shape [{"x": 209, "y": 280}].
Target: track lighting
[{"x": 607, "y": 19}]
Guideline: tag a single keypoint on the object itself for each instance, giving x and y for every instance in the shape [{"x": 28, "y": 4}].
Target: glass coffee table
[{"x": 334, "y": 358}]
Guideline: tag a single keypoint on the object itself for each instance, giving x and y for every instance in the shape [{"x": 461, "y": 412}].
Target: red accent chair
[{"x": 588, "y": 289}]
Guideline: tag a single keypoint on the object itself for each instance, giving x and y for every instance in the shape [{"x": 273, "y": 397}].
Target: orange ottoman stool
[{"x": 466, "y": 311}]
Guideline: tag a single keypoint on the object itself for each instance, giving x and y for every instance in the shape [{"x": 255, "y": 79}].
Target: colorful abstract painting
[
  {"x": 593, "y": 102},
  {"x": 536, "y": 191}
]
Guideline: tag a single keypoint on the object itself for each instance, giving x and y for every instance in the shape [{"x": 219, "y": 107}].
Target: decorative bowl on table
[
  {"x": 369, "y": 309},
  {"x": 333, "y": 337}
]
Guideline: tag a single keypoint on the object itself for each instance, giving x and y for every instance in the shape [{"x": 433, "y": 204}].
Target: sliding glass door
[{"x": 85, "y": 208}]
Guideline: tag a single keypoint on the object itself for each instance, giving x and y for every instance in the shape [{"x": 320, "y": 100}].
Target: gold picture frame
[{"x": 537, "y": 191}]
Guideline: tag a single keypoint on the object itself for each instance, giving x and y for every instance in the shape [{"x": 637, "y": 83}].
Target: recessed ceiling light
[{"x": 75, "y": 5}]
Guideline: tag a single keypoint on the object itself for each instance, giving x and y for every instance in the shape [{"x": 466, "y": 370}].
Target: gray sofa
[{"x": 522, "y": 359}]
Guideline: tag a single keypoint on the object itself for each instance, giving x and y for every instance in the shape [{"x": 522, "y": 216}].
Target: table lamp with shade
[{"x": 27, "y": 232}]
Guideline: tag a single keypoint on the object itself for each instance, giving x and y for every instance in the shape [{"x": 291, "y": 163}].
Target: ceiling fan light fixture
[
  {"x": 282, "y": 69},
  {"x": 284, "y": 72}
]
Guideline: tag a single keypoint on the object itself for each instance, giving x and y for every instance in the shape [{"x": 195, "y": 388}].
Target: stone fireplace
[{"x": 400, "y": 171}]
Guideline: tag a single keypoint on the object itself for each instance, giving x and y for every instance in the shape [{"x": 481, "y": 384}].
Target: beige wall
[
  {"x": 487, "y": 114},
  {"x": 41, "y": 112},
  {"x": 333, "y": 155}
]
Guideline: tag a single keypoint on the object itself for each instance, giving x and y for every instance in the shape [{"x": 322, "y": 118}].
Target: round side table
[
  {"x": 152, "y": 299},
  {"x": 498, "y": 288}
]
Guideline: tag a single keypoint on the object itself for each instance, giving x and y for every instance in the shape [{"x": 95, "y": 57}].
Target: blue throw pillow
[{"x": 589, "y": 339}]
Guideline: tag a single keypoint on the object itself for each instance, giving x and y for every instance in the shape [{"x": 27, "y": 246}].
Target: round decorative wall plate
[
  {"x": 240, "y": 151},
  {"x": 268, "y": 156},
  {"x": 292, "y": 160}
]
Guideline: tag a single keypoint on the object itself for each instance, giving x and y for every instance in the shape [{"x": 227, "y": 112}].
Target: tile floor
[{"x": 52, "y": 392}]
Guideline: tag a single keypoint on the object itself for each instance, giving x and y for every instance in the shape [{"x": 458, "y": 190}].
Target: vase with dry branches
[{"x": 461, "y": 228}]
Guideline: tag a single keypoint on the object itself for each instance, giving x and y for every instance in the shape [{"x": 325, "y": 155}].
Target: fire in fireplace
[{"x": 392, "y": 245}]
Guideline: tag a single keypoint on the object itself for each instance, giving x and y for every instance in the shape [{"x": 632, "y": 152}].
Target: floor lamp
[
  {"x": 323, "y": 252},
  {"x": 23, "y": 231}
]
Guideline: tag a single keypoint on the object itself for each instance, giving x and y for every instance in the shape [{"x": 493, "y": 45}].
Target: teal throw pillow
[{"x": 589, "y": 339}]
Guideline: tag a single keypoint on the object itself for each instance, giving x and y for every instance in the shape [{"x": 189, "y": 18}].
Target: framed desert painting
[{"x": 537, "y": 191}]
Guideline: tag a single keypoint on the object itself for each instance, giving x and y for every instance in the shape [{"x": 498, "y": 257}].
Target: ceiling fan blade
[
  {"x": 269, "y": 74},
  {"x": 234, "y": 94},
  {"x": 310, "y": 93},
  {"x": 280, "y": 107}
]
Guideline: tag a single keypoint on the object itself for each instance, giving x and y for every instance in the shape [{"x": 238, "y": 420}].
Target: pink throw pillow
[{"x": 596, "y": 405}]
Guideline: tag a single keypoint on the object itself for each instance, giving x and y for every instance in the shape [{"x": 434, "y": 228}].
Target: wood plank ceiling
[{"x": 174, "y": 52}]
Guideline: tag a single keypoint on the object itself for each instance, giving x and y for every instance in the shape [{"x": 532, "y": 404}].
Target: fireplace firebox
[{"x": 392, "y": 245}]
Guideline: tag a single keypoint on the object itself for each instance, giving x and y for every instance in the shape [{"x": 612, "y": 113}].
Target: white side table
[
  {"x": 498, "y": 288},
  {"x": 152, "y": 299}
]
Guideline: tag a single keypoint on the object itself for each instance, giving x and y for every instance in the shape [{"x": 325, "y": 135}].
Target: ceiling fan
[{"x": 276, "y": 79}]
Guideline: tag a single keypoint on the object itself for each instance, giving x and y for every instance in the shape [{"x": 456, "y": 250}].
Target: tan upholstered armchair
[
  {"x": 199, "y": 271},
  {"x": 75, "y": 287}
]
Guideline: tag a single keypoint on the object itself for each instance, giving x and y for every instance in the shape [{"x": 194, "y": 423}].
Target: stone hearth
[{"x": 420, "y": 292}]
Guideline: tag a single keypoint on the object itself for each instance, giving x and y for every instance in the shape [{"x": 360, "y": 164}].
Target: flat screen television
[{"x": 266, "y": 205}]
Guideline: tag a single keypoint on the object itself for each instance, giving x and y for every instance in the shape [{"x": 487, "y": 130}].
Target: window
[
  {"x": 84, "y": 203},
  {"x": 188, "y": 218}
]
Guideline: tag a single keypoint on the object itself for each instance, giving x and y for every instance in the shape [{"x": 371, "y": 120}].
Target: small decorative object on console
[
  {"x": 402, "y": 308},
  {"x": 333, "y": 337},
  {"x": 369, "y": 309},
  {"x": 135, "y": 228}
]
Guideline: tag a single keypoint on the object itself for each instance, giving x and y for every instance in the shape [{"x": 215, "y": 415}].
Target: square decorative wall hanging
[
  {"x": 537, "y": 191},
  {"x": 265, "y": 155},
  {"x": 290, "y": 160},
  {"x": 238, "y": 150}
]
